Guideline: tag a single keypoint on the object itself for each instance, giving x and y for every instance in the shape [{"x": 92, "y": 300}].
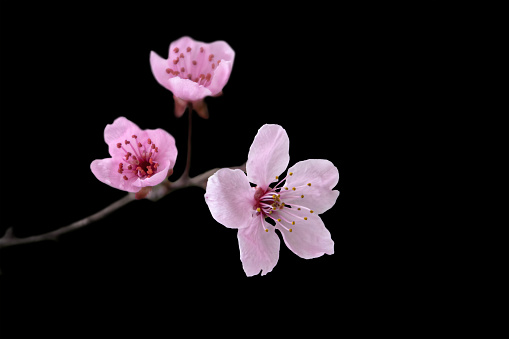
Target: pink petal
[
  {"x": 120, "y": 130},
  {"x": 230, "y": 198},
  {"x": 268, "y": 155},
  {"x": 322, "y": 175},
  {"x": 259, "y": 250},
  {"x": 106, "y": 171},
  {"x": 309, "y": 238},
  {"x": 158, "y": 66},
  {"x": 221, "y": 76},
  {"x": 187, "y": 90}
]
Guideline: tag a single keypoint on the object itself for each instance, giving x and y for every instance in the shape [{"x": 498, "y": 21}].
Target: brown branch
[{"x": 9, "y": 239}]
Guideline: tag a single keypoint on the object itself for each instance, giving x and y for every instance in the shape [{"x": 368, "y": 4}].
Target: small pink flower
[
  {"x": 139, "y": 159},
  {"x": 193, "y": 70},
  {"x": 293, "y": 206}
]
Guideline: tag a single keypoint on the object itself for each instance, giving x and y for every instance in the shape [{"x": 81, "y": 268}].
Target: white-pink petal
[
  {"x": 309, "y": 238},
  {"x": 323, "y": 177},
  {"x": 230, "y": 198},
  {"x": 259, "y": 250},
  {"x": 119, "y": 131},
  {"x": 268, "y": 155},
  {"x": 187, "y": 90},
  {"x": 106, "y": 171}
]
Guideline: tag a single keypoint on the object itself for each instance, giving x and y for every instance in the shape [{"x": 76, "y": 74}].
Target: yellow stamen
[
  {"x": 286, "y": 188},
  {"x": 277, "y": 177},
  {"x": 293, "y": 222},
  {"x": 266, "y": 230},
  {"x": 290, "y": 230},
  {"x": 302, "y": 196},
  {"x": 258, "y": 209},
  {"x": 293, "y": 188},
  {"x": 279, "y": 220},
  {"x": 291, "y": 173},
  {"x": 311, "y": 211},
  {"x": 305, "y": 218},
  {"x": 298, "y": 209},
  {"x": 309, "y": 184}
]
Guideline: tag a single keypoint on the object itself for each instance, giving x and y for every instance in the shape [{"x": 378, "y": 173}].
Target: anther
[
  {"x": 293, "y": 188},
  {"x": 181, "y": 55},
  {"x": 279, "y": 220},
  {"x": 168, "y": 70},
  {"x": 119, "y": 145},
  {"x": 127, "y": 142},
  {"x": 120, "y": 165},
  {"x": 189, "y": 76},
  {"x": 149, "y": 141},
  {"x": 194, "y": 62},
  {"x": 213, "y": 66},
  {"x": 208, "y": 76},
  {"x": 211, "y": 57},
  {"x": 286, "y": 188},
  {"x": 153, "y": 146},
  {"x": 176, "y": 50},
  {"x": 266, "y": 230},
  {"x": 201, "y": 49},
  {"x": 139, "y": 144},
  {"x": 175, "y": 61},
  {"x": 298, "y": 209},
  {"x": 130, "y": 167},
  {"x": 290, "y": 230},
  {"x": 293, "y": 222},
  {"x": 302, "y": 196},
  {"x": 134, "y": 136},
  {"x": 188, "y": 49},
  {"x": 277, "y": 177},
  {"x": 150, "y": 161},
  {"x": 291, "y": 173},
  {"x": 309, "y": 184},
  {"x": 182, "y": 69},
  {"x": 258, "y": 209},
  {"x": 120, "y": 170},
  {"x": 305, "y": 218},
  {"x": 156, "y": 149},
  {"x": 125, "y": 178},
  {"x": 311, "y": 211}
]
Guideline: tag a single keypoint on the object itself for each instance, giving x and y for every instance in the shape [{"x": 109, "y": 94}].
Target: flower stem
[{"x": 190, "y": 127}]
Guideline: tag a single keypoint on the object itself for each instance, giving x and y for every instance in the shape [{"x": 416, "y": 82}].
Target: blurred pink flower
[
  {"x": 193, "y": 70},
  {"x": 293, "y": 207},
  {"x": 139, "y": 159}
]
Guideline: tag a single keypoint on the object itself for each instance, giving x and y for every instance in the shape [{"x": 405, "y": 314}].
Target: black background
[{"x": 416, "y": 228}]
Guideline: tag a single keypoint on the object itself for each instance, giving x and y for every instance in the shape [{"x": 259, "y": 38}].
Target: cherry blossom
[
  {"x": 292, "y": 204},
  {"x": 192, "y": 71},
  {"x": 139, "y": 159}
]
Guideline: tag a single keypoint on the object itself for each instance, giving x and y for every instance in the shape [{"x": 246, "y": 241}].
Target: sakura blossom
[
  {"x": 292, "y": 203},
  {"x": 139, "y": 158},
  {"x": 193, "y": 71}
]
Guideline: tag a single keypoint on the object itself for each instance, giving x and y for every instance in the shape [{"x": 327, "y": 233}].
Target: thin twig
[{"x": 9, "y": 239}]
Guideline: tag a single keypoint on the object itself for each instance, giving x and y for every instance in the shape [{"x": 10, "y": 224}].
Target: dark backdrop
[{"x": 372, "y": 91}]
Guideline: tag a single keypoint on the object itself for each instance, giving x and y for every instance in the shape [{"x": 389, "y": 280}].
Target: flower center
[
  {"x": 141, "y": 163},
  {"x": 195, "y": 65},
  {"x": 270, "y": 204}
]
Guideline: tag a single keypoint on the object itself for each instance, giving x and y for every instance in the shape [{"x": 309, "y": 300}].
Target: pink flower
[
  {"x": 293, "y": 206},
  {"x": 193, "y": 70},
  {"x": 139, "y": 158}
]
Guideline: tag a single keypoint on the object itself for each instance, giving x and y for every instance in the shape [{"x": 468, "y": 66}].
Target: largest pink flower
[
  {"x": 193, "y": 71},
  {"x": 293, "y": 204}
]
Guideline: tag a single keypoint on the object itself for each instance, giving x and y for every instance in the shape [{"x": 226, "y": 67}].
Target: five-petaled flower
[
  {"x": 293, "y": 204},
  {"x": 139, "y": 159},
  {"x": 193, "y": 70}
]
